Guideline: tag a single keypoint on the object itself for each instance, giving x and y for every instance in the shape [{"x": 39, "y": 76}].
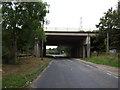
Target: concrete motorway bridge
[{"x": 78, "y": 41}]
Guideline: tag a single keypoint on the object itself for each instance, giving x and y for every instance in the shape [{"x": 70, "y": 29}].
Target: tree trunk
[
  {"x": 42, "y": 51},
  {"x": 15, "y": 49}
]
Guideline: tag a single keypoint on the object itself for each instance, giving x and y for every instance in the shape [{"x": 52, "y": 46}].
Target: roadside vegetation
[
  {"x": 22, "y": 27},
  {"x": 110, "y": 60},
  {"x": 60, "y": 50},
  {"x": 22, "y": 74},
  {"x": 106, "y": 44}
]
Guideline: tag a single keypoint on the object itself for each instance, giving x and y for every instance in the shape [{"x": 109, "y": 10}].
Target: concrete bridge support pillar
[
  {"x": 86, "y": 47},
  {"x": 84, "y": 51},
  {"x": 37, "y": 50},
  {"x": 88, "y": 50}
]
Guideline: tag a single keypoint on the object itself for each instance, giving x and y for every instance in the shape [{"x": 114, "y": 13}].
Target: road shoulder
[
  {"x": 32, "y": 84},
  {"x": 108, "y": 69}
]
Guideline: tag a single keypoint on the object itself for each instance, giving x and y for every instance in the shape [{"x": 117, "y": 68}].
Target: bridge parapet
[{"x": 70, "y": 33}]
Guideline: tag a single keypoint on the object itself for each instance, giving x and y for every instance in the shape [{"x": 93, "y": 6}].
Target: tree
[
  {"x": 65, "y": 49},
  {"x": 109, "y": 23},
  {"x": 20, "y": 22},
  {"x": 41, "y": 38}
]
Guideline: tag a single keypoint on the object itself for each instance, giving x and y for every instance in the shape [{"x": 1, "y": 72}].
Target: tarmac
[{"x": 108, "y": 69}]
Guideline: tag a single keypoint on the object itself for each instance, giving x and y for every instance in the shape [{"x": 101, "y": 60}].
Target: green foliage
[
  {"x": 7, "y": 46},
  {"x": 41, "y": 34},
  {"x": 109, "y": 23},
  {"x": 103, "y": 61},
  {"x": 66, "y": 49},
  {"x": 23, "y": 80},
  {"x": 16, "y": 81},
  {"x": 52, "y": 51},
  {"x": 20, "y": 23}
]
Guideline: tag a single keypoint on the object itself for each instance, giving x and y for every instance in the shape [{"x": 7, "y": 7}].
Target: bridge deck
[{"x": 53, "y": 33}]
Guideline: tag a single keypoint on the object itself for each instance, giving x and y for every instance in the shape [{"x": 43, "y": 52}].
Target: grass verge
[
  {"x": 108, "y": 62},
  {"x": 20, "y": 79}
]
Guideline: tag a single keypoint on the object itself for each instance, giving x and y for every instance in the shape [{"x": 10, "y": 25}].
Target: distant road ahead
[{"x": 65, "y": 73}]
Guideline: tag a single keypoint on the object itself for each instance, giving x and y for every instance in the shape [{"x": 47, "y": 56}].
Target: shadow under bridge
[{"x": 78, "y": 41}]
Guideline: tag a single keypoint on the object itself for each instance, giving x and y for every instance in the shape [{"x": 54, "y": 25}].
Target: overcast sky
[{"x": 67, "y": 13}]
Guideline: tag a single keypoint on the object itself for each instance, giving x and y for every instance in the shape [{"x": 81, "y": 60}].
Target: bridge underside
[
  {"x": 75, "y": 42},
  {"x": 79, "y": 43}
]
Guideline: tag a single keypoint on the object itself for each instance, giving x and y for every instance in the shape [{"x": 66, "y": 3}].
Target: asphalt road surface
[{"x": 66, "y": 73}]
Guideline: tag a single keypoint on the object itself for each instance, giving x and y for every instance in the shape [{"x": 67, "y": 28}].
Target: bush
[
  {"x": 7, "y": 55},
  {"x": 95, "y": 53}
]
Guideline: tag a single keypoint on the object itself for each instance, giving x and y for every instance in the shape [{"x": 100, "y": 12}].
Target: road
[{"x": 66, "y": 73}]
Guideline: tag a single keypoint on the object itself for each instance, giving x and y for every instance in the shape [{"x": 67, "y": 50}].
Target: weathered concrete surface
[{"x": 70, "y": 33}]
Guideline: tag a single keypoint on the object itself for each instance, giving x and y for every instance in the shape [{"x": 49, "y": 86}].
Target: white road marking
[
  {"x": 71, "y": 61},
  {"x": 115, "y": 76},
  {"x": 90, "y": 66},
  {"x": 108, "y": 73}
]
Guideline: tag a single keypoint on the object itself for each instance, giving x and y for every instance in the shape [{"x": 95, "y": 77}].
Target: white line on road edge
[
  {"x": 70, "y": 61},
  {"x": 112, "y": 75},
  {"x": 108, "y": 73},
  {"x": 115, "y": 77},
  {"x": 90, "y": 66}
]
